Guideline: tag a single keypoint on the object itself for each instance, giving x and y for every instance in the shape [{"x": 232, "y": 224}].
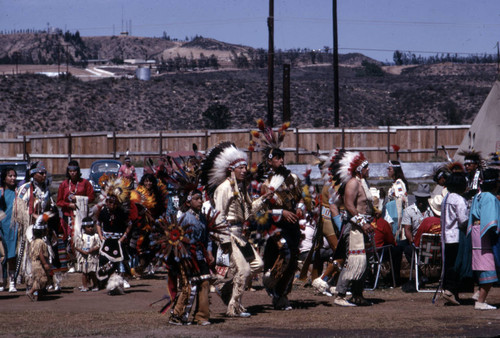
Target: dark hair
[
  {"x": 39, "y": 233},
  {"x": 73, "y": 163},
  {"x": 3, "y": 175},
  {"x": 440, "y": 173},
  {"x": 489, "y": 180},
  {"x": 398, "y": 172},
  {"x": 456, "y": 182},
  {"x": 275, "y": 152},
  {"x": 87, "y": 220},
  {"x": 156, "y": 191}
]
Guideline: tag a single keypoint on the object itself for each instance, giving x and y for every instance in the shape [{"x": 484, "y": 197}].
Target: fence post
[
  {"x": 435, "y": 141},
  {"x": 114, "y": 145},
  {"x": 70, "y": 146},
  {"x": 250, "y": 152},
  {"x": 342, "y": 138},
  {"x": 297, "y": 145},
  {"x": 206, "y": 140},
  {"x": 25, "y": 148},
  {"x": 161, "y": 143},
  {"x": 388, "y": 143}
]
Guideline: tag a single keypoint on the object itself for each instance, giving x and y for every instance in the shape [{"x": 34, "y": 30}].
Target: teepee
[{"x": 484, "y": 133}]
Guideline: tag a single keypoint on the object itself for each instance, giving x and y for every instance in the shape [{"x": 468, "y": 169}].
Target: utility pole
[
  {"x": 270, "y": 66},
  {"x": 286, "y": 93},
  {"x": 335, "y": 67},
  {"x": 498, "y": 59}
]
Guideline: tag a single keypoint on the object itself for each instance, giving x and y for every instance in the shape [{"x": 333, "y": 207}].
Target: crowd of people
[{"x": 214, "y": 222}]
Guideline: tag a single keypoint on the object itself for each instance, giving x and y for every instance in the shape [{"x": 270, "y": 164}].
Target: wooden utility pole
[
  {"x": 286, "y": 93},
  {"x": 270, "y": 66},
  {"x": 335, "y": 67}
]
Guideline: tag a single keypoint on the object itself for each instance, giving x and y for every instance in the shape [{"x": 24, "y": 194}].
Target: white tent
[{"x": 484, "y": 133}]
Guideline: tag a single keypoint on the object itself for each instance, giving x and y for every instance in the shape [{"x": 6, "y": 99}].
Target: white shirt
[{"x": 454, "y": 215}]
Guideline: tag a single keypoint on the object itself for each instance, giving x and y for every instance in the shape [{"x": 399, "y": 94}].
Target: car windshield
[{"x": 106, "y": 167}]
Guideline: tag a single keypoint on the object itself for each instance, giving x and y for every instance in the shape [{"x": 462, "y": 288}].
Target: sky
[{"x": 375, "y": 28}]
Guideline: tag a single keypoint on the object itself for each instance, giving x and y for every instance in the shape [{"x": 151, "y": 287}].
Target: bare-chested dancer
[{"x": 353, "y": 171}]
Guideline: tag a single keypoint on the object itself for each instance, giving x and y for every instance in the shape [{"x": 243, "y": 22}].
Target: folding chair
[
  {"x": 426, "y": 258},
  {"x": 377, "y": 266}
]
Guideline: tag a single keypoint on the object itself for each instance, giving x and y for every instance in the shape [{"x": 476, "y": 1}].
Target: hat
[
  {"x": 435, "y": 204},
  {"x": 423, "y": 190}
]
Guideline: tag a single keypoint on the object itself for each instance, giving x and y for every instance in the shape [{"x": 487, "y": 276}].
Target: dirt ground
[{"x": 395, "y": 313}]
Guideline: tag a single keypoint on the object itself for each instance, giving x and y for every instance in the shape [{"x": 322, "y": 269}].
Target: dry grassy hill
[{"x": 434, "y": 94}]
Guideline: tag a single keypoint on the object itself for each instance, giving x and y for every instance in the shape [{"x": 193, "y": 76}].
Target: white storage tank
[{"x": 143, "y": 73}]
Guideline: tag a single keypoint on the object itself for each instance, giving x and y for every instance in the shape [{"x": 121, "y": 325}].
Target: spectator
[{"x": 454, "y": 218}]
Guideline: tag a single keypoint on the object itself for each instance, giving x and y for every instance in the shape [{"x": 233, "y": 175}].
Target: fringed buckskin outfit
[{"x": 236, "y": 207}]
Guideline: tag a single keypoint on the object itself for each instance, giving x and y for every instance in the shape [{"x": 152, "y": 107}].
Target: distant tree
[
  {"x": 217, "y": 116},
  {"x": 370, "y": 69},
  {"x": 213, "y": 62},
  {"x": 398, "y": 58}
]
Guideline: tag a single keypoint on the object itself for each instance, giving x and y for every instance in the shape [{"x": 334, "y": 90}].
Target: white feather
[
  {"x": 276, "y": 182},
  {"x": 222, "y": 163},
  {"x": 115, "y": 285}
]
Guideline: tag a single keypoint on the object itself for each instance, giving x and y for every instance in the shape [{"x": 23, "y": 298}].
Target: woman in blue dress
[{"x": 8, "y": 228}]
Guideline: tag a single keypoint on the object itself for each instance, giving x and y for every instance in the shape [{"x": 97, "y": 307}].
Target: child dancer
[
  {"x": 39, "y": 257},
  {"x": 87, "y": 245}
]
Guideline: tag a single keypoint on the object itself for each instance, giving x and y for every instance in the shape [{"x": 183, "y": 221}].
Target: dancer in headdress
[
  {"x": 32, "y": 200},
  {"x": 473, "y": 167},
  {"x": 39, "y": 259},
  {"x": 351, "y": 171},
  {"x": 223, "y": 174},
  {"x": 331, "y": 219},
  {"x": 195, "y": 281},
  {"x": 114, "y": 225},
  {"x": 286, "y": 207}
]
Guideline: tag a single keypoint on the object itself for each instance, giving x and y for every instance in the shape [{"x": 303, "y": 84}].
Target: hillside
[{"x": 421, "y": 95}]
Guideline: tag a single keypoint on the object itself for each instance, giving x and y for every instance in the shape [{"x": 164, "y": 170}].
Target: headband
[
  {"x": 84, "y": 224},
  {"x": 362, "y": 166},
  {"x": 73, "y": 167},
  {"x": 41, "y": 226},
  {"x": 469, "y": 161},
  {"x": 237, "y": 163},
  {"x": 394, "y": 165}
]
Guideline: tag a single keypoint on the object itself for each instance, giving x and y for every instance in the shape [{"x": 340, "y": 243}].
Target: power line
[{"x": 409, "y": 50}]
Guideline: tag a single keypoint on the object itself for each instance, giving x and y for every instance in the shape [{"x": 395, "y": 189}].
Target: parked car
[
  {"x": 101, "y": 167},
  {"x": 19, "y": 167}
]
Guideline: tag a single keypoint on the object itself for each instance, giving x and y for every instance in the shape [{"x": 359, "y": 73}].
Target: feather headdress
[
  {"x": 265, "y": 140},
  {"x": 184, "y": 174},
  {"x": 471, "y": 156},
  {"x": 120, "y": 187},
  {"x": 326, "y": 163},
  {"x": 345, "y": 166},
  {"x": 218, "y": 161}
]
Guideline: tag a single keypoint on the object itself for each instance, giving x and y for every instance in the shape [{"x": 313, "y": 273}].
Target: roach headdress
[{"x": 265, "y": 140}]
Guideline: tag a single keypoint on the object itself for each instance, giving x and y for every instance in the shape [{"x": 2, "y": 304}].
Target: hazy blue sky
[{"x": 373, "y": 27}]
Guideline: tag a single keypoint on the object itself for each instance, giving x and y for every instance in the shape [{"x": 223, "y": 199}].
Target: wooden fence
[{"x": 417, "y": 144}]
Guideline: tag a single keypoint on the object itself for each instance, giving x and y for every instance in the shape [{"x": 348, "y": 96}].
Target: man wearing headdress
[
  {"x": 223, "y": 174},
  {"x": 472, "y": 164},
  {"x": 282, "y": 248},
  {"x": 286, "y": 207},
  {"x": 33, "y": 199},
  {"x": 351, "y": 171}
]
